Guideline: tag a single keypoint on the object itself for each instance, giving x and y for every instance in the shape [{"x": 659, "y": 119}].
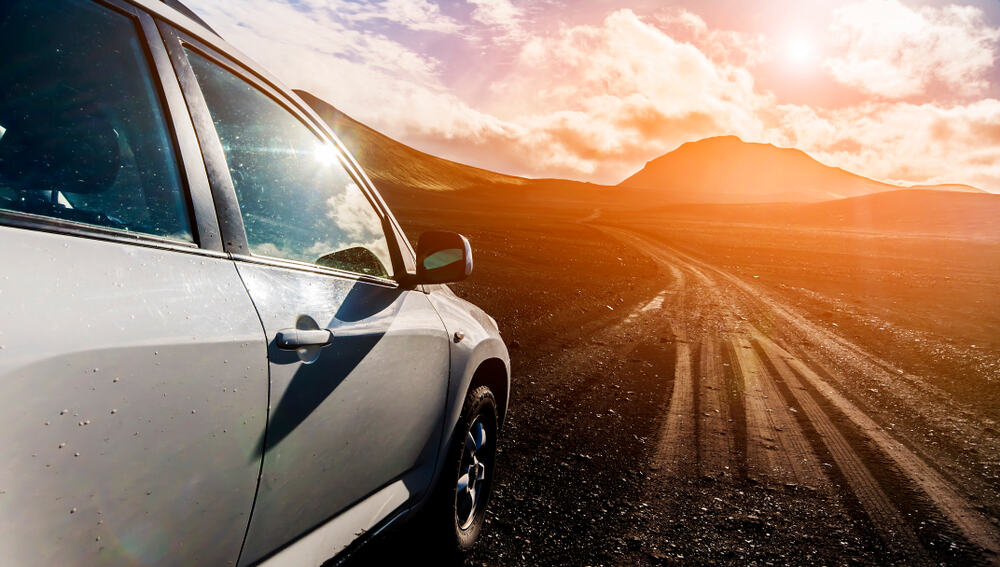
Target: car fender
[{"x": 475, "y": 339}]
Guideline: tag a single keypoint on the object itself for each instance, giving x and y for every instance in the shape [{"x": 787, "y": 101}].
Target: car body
[{"x": 218, "y": 346}]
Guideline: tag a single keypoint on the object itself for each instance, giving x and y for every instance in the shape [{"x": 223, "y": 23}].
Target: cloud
[
  {"x": 595, "y": 102},
  {"x": 893, "y": 51},
  {"x": 417, "y": 15},
  {"x": 360, "y": 71},
  {"x": 501, "y": 15},
  {"x": 901, "y": 142},
  {"x": 726, "y": 46},
  {"x": 598, "y": 99}
]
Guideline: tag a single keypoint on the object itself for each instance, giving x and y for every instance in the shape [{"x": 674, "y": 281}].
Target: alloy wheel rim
[{"x": 471, "y": 487}]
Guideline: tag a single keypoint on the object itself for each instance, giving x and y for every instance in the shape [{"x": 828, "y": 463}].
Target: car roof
[
  {"x": 177, "y": 5},
  {"x": 184, "y": 19}
]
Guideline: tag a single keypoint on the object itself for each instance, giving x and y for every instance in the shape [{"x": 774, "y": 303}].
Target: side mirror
[{"x": 443, "y": 257}]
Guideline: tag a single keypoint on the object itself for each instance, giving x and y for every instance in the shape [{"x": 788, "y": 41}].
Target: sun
[{"x": 798, "y": 50}]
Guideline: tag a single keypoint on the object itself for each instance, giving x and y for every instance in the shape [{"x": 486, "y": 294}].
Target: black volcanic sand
[{"x": 575, "y": 484}]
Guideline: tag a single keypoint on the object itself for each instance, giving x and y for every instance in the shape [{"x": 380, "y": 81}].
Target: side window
[
  {"x": 297, "y": 200},
  {"x": 82, "y": 131}
]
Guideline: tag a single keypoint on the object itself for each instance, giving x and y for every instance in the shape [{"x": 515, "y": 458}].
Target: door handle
[{"x": 293, "y": 339}]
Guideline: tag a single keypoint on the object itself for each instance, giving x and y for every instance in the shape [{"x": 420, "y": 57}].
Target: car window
[
  {"x": 82, "y": 131},
  {"x": 297, "y": 200}
]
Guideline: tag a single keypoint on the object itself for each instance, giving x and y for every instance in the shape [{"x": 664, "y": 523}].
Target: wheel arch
[{"x": 492, "y": 373}]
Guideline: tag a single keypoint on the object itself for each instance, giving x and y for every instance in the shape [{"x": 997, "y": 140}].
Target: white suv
[{"x": 218, "y": 347}]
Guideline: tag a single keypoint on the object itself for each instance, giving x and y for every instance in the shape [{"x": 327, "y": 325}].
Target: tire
[{"x": 455, "y": 516}]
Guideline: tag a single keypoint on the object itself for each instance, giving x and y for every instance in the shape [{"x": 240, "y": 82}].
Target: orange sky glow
[{"x": 905, "y": 92}]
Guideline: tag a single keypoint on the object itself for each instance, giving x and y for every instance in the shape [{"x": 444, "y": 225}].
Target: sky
[{"x": 904, "y": 92}]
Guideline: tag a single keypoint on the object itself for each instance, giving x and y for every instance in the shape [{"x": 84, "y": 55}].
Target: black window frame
[
  {"x": 187, "y": 160},
  {"x": 230, "y": 218}
]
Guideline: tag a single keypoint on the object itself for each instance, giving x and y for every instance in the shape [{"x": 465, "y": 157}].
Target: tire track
[
  {"x": 893, "y": 529},
  {"x": 777, "y": 450},
  {"x": 916, "y": 395},
  {"x": 676, "y": 447},
  {"x": 919, "y": 395},
  {"x": 716, "y": 441},
  {"x": 973, "y": 525},
  {"x": 705, "y": 280}
]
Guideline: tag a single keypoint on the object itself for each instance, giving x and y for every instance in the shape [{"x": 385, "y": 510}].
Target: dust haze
[{"x": 702, "y": 376}]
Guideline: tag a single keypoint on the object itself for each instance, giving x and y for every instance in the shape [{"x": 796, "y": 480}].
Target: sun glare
[
  {"x": 798, "y": 50},
  {"x": 325, "y": 154}
]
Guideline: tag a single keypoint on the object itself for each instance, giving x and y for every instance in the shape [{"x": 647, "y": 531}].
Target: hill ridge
[{"x": 727, "y": 169}]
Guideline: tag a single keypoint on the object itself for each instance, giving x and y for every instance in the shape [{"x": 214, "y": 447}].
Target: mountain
[
  {"x": 788, "y": 186},
  {"x": 726, "y": 169},
  {"x": 411, "y": 180},
  {"x": 390, "y": 162}
]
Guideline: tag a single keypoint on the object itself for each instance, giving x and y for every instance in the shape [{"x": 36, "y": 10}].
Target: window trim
[
  {"x": 314, "y": 268},
  {"x": 160, "y": 77},
  {"x": 223, "y": 189},
  {"x": 188, "y": 154},
  {"x": 54, "y": 225},
  {"x": 223, "y": 192}
]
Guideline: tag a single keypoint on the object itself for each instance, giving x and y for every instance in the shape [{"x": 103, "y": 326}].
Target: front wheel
[{"x": 463, "y": 491}]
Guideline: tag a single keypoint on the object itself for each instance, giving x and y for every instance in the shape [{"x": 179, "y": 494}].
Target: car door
[
  {"x": 132, "y": 376},
  {"x": 358, "y": 365}
]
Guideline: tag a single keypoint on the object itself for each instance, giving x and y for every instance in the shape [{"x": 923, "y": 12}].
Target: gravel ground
[{"x": 579, "y": 482}]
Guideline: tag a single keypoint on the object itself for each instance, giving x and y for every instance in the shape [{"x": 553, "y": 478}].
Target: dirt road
[
  {"x": 670, "y": 409},
  {"x": 762, "y": 394}
]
